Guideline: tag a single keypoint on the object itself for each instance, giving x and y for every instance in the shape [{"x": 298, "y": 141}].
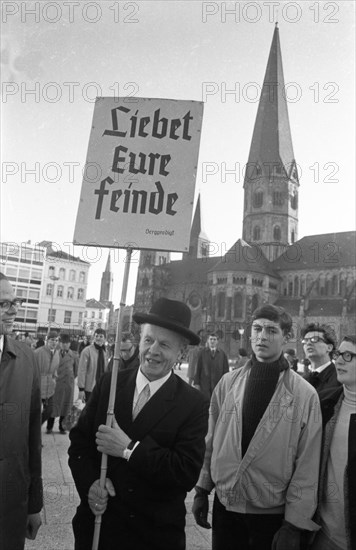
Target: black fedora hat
[{"x": 169, "y": 314}]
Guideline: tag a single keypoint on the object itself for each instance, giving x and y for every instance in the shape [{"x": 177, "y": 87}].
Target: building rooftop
[{"x": 326, "y": 251}]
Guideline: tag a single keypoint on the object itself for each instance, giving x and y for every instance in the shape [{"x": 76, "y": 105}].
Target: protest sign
[{"x": 139, "y": 178}]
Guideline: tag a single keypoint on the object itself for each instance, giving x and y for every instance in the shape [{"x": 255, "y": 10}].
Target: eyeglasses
[
  {"x": 313, "y": 340},
  {"x": 6, "y": 305},
  {"x": 346, "y": 355}
]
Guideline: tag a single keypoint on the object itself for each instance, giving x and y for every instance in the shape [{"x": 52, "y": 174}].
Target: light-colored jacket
[
  {"x": 279, "y": 471},
  {"x": 87, "y": 367},
  {"x": 48, "y": 368}
]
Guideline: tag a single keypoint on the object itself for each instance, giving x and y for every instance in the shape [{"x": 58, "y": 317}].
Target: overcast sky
[{"x": 67, "y": 53}]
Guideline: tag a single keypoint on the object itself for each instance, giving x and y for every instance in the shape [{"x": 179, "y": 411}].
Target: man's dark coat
[
  {"x": 210, "y": 369},
  {"x": 20, "y": 442},
  {"x": 325, "y": 379},
  {"x": 148, "y": 511}
]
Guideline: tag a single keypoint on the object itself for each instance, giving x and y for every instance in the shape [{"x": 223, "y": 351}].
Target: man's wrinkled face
[
  {"x": 99, "y": 339},
  {"x": 267, "y": 340},
  {"x": 160, "y": 349},
  {"x": 7, "y": 318},
  {"x": 316, "y": 350}
]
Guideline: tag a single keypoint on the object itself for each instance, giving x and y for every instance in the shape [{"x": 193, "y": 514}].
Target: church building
[{"x": 312, "y": 278}]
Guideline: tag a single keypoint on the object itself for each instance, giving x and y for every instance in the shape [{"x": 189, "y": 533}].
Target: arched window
[
  {"x": 82, "y": 277},
  {"x": 256, "y": 233},
  {"x": 60, "y": 291},
  {"x": 255, "y": 302},
  {"x": 80, "y": 293},
  {"x": 70, "y": 293},
  {"x": 277, "y": 198},
  {"x": 257, "y": 199},
  {"x": 334, "y": 285},
  {"x": 276, "y": 233},
  {"x": 294, "y": 200},
  {"x": 62, "y": 273},
  {"x": 51, "y": 271},
  {"x": 290, "y": 288},
  {"x": 72, "y": 275},
  {"x": 238, "y": 310},
  {"x": 49, "y": 289},
  {"x": 221, "y": 304}
]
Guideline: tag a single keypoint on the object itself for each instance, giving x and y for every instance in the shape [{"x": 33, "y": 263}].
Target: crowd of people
[{"x": 275, "y": 442}]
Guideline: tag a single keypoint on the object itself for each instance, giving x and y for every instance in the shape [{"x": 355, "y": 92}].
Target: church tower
[
  {"x": 271, "y": 180},
  {"x": 107, "y": 280},
  {"x": 199, "y": 242},
  {"x": 151, "y": 281}
]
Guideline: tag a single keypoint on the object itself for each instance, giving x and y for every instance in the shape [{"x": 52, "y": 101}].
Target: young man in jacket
[
  {"x": 92, "y": 365},
  {"x": 20, "y": 431},
  {"x": 155, "y": 446},
  {"x": 263, "y": 447}
]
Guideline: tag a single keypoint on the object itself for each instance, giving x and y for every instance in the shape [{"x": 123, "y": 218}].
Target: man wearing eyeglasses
[
  {"x": 319, "y": 342},
  {"x": 336, "y": 511},
  {"x": 20, "y": 431}
]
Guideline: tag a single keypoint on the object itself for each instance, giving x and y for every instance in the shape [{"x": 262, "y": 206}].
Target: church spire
[
  {"x": 107, "y": 280},
  {"x": 271, "y": 180},
  {"x": 199, "y": 242},
  {"x": 272, "y": 140}
]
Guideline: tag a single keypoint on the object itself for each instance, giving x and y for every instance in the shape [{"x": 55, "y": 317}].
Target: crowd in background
[{"x": 307, "y": 465}]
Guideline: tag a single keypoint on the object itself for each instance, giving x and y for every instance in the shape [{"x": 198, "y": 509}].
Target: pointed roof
[
  {"x": 108, "y": 264},
  {"x": 197, "y": 230},
  {"x": 272, "y": 140},
  {"x": 247, "y": 257}
]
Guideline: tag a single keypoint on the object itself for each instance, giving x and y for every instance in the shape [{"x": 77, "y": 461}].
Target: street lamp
[
  {"x": 241, "y": 332},
  {"x": 53, "y": 278}
]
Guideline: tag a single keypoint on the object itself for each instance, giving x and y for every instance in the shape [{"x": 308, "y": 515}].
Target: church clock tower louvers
[{"x": 271, "y": 180}]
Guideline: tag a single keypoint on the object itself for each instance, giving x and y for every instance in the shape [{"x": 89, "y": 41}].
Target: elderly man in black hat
[{"x": 155, "y": 446}]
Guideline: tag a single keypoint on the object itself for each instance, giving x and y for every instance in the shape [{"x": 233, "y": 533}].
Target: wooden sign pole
[{"x": 111, "y": 405}]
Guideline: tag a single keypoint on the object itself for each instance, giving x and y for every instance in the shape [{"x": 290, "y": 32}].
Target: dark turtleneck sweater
[{"x": 260, "y": 387}]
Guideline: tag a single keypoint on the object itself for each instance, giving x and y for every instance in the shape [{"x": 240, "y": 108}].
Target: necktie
[{"x": 141, "y": 401}]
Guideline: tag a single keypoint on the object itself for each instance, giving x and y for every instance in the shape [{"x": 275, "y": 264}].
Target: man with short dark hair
[
  {"x": 20, "y": 431},
  {"x": 155, "y": 446},
  {"x": 319, "y": 343},
  {"x": 92, "y": 365},
  {"x": 212, "y": 364},
  {"x": 263, "y": 447}
]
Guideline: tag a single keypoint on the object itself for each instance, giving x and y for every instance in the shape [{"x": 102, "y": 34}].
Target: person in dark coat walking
[
  {"x": 319, "y": 342},
  {"x": 64, "y": 393},
  {"x": 336, "y": 511},
  {"x": 211, "y": 366},
  {"x": 20, "y": 431},
  {"x": 155, "y": 446}
]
